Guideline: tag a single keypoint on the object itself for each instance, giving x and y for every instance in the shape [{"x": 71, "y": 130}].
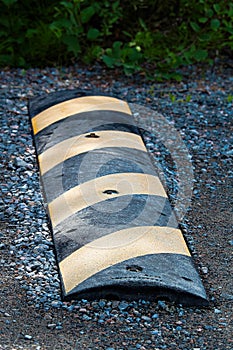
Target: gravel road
[{"x": 32, "y": 313}]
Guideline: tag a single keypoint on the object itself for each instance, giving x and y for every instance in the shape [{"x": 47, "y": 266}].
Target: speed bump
[{"x": 114, "y": 230}]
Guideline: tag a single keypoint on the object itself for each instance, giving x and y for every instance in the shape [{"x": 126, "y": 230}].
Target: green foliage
[
  {"x": 127, "y": 56},
  {"x": 201, "y": 30},
  {"x": 162, "y": 35},
  {"x": 180, "y": 100}
]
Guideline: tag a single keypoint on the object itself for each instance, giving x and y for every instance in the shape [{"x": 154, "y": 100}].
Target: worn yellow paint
[
  {"x": 80, "y": 144},
  {"x": 77, "y": 105},
  {"x": 105, "y": 252},
  {"x": 91, "y": 192}
]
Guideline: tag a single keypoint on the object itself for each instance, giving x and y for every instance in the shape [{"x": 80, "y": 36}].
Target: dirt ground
[{"x": 175, "y": 327}]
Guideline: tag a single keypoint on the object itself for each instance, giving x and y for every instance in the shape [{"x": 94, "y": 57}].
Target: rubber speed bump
[{"x": 114, "y": 231}]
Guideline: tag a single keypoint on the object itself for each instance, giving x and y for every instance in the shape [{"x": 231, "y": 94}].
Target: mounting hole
[
  {"x": 187, "y": 279},
  {"x": 92, "y": 135},
  {"x": 134, "y": 268},
  {"x": 110, "y": 192}
]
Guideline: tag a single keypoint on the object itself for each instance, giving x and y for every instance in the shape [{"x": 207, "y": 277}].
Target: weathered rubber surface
[{"x": 114, "y": 231}]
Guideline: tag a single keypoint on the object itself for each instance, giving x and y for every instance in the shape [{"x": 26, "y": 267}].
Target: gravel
[{"x": 32, "y": 313}]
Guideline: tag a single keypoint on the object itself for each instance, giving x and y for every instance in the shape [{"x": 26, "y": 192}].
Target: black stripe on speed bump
[
  {"x": 109, "y": 216},
  {"x": 77, "y": 235},
  {"x": 76, "y": 170},
  {"x": 82, "y": 123},
  {"x": 86, "y": 143},
  {"x": 99, "y": 190}
]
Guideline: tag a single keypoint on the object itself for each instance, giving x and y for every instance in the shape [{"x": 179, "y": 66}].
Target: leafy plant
[
  {"x": 127, "y": 56},
  {"x": 156, "y": 36}
]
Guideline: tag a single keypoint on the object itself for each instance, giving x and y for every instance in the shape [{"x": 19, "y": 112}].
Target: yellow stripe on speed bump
[
  {"x": 94, "y": 191},
  {"x": 78, "y": 105},
  {"x": 81, "y": 143},
  {"x": 117, "y": 247}
]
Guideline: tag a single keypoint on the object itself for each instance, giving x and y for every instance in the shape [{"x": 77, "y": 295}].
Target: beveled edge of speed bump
[
  {"x": 93, "y": 257},
  {"x": 81, "y": 144},
  {"x": 153, "y": 277},
  {"x": 92, "y": 192},
  {"x": 81, "y": 104}
]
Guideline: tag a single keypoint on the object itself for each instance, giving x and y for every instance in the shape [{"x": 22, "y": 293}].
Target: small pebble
[
  {"x": 123, "y": 305},
  {"x": 217, "y": 311},
  {"x": 204, "y": 270},
  {"x": 146, "y": 318},
  {"x": 28, "y": 337},
  {"x": 51, "y": 325}
]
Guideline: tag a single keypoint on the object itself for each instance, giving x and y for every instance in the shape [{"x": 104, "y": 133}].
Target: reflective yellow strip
[
  {"x": 91, "y": 192},
  {"x": 117, "y": 247},
  {"x": 80, "y": 144},
  {"x": 77, "y": 105}
]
